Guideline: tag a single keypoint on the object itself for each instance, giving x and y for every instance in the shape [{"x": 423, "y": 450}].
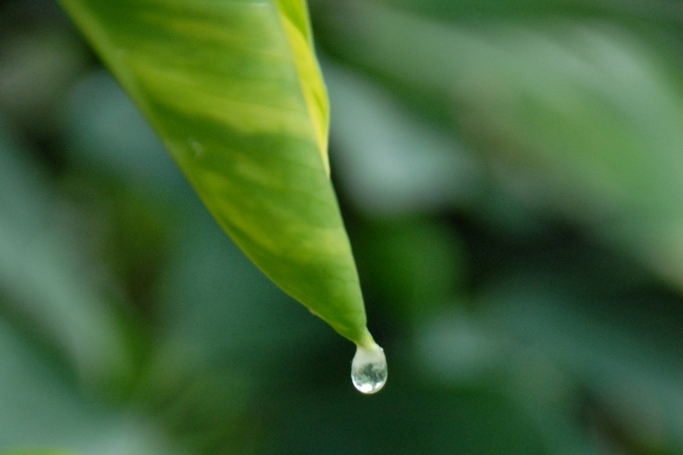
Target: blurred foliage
[{"x": 511, "y": 178}]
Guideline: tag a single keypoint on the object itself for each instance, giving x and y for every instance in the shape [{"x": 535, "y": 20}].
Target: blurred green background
[{"x": 511, "y": 176}]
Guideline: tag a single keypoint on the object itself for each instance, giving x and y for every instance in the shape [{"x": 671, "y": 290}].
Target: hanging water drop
[{"x": 369, "y": 369}]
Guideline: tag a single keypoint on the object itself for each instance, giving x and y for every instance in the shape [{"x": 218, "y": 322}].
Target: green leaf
[
  {"x": 234, "y": 90},
  {"x": 44, "y": 281},
  {"x": 579, "y": 117}
]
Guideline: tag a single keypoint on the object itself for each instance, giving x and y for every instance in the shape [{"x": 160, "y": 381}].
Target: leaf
[
  {"x": 579, "y": 117},
  {"x": 413, "y": 167},
  {"x": 234, "y": 90},
  {"x": 43, "y": 278}
]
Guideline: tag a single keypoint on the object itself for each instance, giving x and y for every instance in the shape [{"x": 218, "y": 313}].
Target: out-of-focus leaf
[
  {"x": 412, "y": 265},
  {"x": 34, "y": 452},
  {"x": 44, "y": 280},
  {"x": 36, "y": 69},
  {"x": 40, "y": 411},
  {"x": 216, "y": 302},
  {"x": 585, "y": 116},
  {"x": 393, "y": 161},
  {"x": 634, "y": 378},
  {"x": 485, "y": 422},
  {"x": 234, "y": 90},
  {"x": 105, "y": 131},
  {"x": 665, "y": 10}
]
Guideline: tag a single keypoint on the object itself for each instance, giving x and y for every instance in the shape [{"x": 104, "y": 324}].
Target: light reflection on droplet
[{"x": 369, "y": 369}]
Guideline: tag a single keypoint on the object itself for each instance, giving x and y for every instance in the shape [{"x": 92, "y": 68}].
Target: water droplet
[
  {"x": 369, "y": 369},
  {"x": 197, "y": 148}
]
